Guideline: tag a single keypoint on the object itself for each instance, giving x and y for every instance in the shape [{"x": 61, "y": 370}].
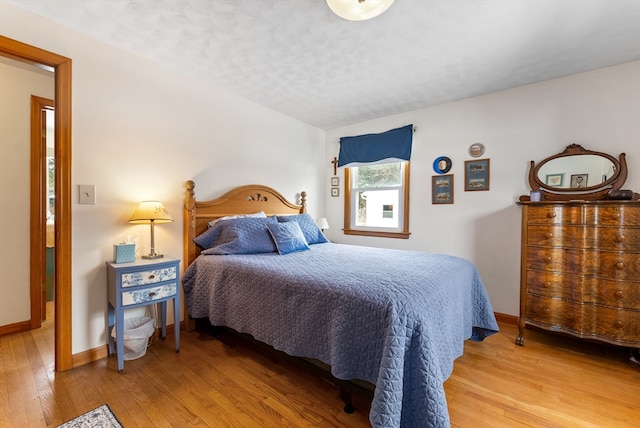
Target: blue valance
[{"x": 390, "y": 146}]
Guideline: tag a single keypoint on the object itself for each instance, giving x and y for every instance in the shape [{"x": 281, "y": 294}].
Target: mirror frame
[{"x": 590, "y": 193}]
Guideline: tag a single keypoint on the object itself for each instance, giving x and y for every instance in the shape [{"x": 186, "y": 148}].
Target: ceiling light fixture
[{"x": 358, "y": 10}]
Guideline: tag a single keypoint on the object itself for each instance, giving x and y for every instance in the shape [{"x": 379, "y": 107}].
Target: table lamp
[
  {"x": 323, "y": 224},
  {"x": 151, "y": 212}
]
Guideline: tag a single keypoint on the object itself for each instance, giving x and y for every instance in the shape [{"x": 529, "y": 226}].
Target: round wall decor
[
  {"x": 442, "y": 165},
  {"x": 476, "y": 150}
]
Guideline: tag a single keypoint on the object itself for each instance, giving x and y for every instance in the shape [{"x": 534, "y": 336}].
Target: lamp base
[{"x": 152, "y": 256}]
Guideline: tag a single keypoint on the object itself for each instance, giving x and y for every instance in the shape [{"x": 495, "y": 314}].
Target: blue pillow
[
  {"x": 310, "y": 229},
  {"x": 247, "y": 235},
  {"x": 288, "y": 237},
  {"x": 208, "y": 237}
]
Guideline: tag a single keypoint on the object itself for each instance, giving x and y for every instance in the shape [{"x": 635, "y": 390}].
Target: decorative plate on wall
[
  {"x": 442, "y": 165},
  {"x": 476, "y": 150}
]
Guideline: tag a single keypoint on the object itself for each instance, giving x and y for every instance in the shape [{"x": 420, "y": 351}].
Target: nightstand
[{"x": 140, "y": 283}]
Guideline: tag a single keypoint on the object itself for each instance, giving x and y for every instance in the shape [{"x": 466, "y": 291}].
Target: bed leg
[{"x": 345, "y": 395}]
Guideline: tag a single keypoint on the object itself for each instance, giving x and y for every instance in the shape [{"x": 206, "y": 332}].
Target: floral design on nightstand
[
  {"x": 148, "y": 277},
  {"x": 148, "y": 294}
]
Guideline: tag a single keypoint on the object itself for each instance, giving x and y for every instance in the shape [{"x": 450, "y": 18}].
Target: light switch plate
[{"x": 87, "y": 194}]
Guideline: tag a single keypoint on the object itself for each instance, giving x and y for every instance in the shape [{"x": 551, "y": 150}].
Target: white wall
[
  {"x": 17, "y": 83},
  {"x": 139, "y": 132},
  {"x": 599, "y": 110}
]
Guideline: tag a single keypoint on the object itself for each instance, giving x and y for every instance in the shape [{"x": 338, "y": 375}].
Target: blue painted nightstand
[{"x": 140, "y": 283}]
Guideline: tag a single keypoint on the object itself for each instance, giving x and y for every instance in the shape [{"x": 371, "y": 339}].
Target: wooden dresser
[{"x": 580, "y": 271}]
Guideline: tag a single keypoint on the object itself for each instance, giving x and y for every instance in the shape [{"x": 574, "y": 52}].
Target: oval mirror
[
  {"x": 590, "y": 175},
  {"x": 576, "y": 172}
]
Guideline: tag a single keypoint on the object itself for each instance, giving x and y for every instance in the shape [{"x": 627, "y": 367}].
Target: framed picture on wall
[
  {"x": 335, "y": 181},
  {"x": 579, "y": 180},
  {"x": 555, "y": 180},
  {"x": 335, "y": 191},
  {"x": 476, "y": 175},
  {"x": 442, "y": 189}
]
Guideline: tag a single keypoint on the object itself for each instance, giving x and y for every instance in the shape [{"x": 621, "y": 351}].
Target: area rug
[{"x": 100, "y": 417}]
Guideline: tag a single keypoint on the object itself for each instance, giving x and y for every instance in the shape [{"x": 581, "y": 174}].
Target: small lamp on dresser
[{"x": 151, "y": 212}]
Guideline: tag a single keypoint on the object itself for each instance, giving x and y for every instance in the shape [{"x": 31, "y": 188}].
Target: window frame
[{"x": 348, "y": 211}]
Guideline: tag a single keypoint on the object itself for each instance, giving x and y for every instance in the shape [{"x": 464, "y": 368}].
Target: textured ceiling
[{"x": 298, "y": 58}]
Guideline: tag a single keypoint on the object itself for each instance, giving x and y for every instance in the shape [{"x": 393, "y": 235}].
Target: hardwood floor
[{"x": 553, "y": 381}]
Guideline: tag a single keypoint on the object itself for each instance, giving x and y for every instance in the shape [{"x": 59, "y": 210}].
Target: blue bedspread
[{"x": 397, "y": 319}]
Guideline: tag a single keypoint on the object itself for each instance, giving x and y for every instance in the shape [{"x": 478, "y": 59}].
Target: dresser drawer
[
  {"x": 149, "y": 294},
  {"x": 587, "y": 321},
  {"x": 614, "y": 294},
  {"x": 555, "y": 236},
  {"x": 554, "y": 214},
  {"x": 612, "y": 215},
  {"x": 587, "y": 237},
  {"x": 603, "y": 292},
  {"x": 151, "y": 276},
  {"x": 617, "y": 326},
  {"x": 614, "y": 238},
  {"x": 557, "y": 314},
  {"x": 601, "y": 264},
  {"x": 551, "y": 284}
]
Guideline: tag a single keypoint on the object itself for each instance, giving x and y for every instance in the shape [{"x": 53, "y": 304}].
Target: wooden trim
[
  {"x": 523, "y": 274},
  {"x": 399, "y": 235},
  {"x": 347, "y": 200},
  {"x": 347, "y": 230},
  {"x": 63, "y": 271},
  {"x": 506, "y": 318},
  {"x": 17, "y": 327},
  {"x": 37, "y": 209},
  {"x": 90, "y": 355}
]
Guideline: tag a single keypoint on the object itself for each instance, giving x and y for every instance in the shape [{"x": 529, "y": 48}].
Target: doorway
[
  {"x": 42, "y": 218},
  {"x": 62, "y": 229}
]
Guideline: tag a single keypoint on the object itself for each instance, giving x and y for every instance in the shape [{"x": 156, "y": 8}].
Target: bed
[{"x": 396, "y": 319}]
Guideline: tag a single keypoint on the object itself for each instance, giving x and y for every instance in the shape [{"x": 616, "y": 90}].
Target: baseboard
[
  {"x": 506, "y": 318},
  {"x": 89, "y": 356},
  {"x": 95, "y": 354},
  {"x": 18, "y": 327}
]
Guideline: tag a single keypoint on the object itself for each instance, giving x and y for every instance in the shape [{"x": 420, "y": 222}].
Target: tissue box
[{"x": 124, "y": 253}]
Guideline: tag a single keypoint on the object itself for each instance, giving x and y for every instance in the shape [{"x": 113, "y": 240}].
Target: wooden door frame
[
  {"x": 38, "y": 202},
  {"x": 62, "y": 230}
]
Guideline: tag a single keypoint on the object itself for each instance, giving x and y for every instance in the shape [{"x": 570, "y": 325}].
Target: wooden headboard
[{"x": 241, "y": 200}]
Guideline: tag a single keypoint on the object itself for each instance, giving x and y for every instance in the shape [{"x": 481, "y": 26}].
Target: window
[{"x": 377, "y": 200}]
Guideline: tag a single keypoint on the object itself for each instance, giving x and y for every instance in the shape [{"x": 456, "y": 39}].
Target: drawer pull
[
  {"x": 152, "y": 276},
  {"x": 546, "y": 311},
  {"x": 619, "y": 293},
  {"x": 548, "y": 235},
  {"x": 617, "y": 324},
  {"x": 547, "y": 259},
  {"x": 547, "y": 284},
  {"x": 616, "y": 214},
  {"x": 620, "y": 238},
  {"x": 619, "y": 265},
  {"x": 551, "y": 215},
  {"x": 153, "y": 293}
]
